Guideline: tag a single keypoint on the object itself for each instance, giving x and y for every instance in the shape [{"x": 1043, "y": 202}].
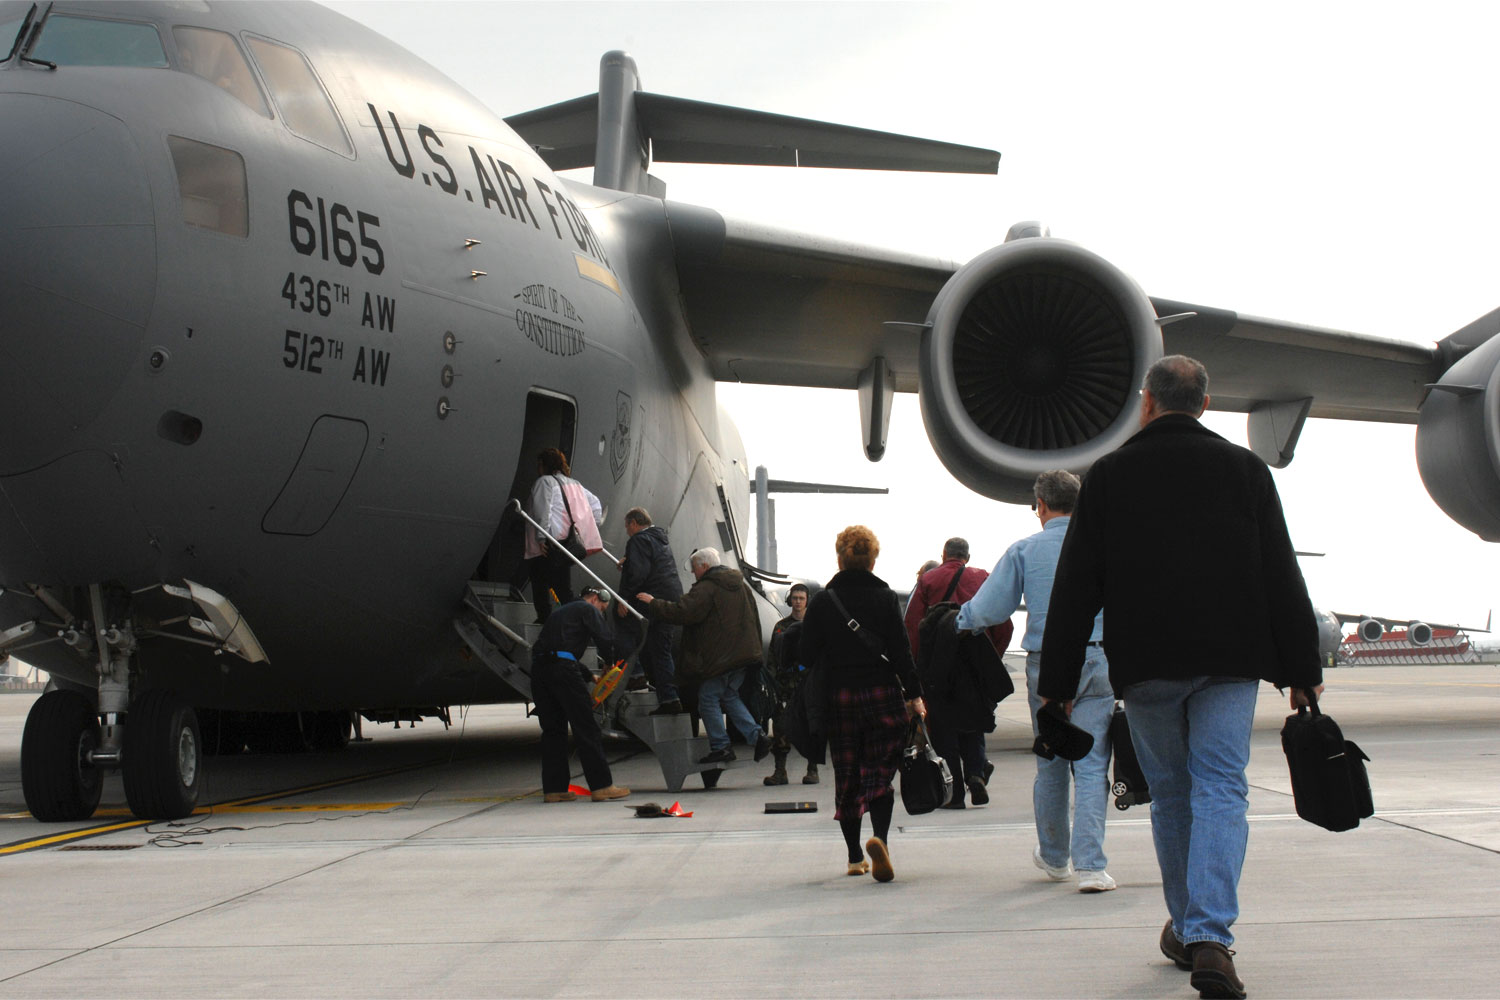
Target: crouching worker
[{"x": 561, "y": 688}]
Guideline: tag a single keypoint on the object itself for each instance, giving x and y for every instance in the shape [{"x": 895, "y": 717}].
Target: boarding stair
[{"x": 497, "y": 625}]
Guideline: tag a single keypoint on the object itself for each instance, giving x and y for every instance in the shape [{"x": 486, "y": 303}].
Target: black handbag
[
  {"x": 1330, "y": 786},
  {"x": 926, "y": 781}
]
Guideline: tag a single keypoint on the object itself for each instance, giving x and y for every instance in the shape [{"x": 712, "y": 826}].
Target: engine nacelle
[
  {"x": 1420, "y": 633},
  {"x": 1458, "y": 441},
  {"x": 1031, "y": 360},
  {"x": 1371, "y": 630}
]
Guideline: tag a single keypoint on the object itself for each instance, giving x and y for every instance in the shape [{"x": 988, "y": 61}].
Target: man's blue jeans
[
  {"x": 1092, "y": 709},
  {"x": 719, "y": 695},
  {"x": 1193, "y": 739}
]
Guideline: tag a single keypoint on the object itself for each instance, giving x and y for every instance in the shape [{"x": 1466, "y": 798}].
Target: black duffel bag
[{"x": 926, "y": 781}]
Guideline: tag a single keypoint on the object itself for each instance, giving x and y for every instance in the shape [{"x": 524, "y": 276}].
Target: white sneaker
[
  {"x": 1055, "y": 874},
  {"x": 1098, "y": 881}
]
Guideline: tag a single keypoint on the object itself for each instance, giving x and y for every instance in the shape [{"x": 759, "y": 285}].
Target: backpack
[{"x": 929, "y": 629}]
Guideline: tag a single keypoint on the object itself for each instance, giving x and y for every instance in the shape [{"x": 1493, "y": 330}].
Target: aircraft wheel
[
  {"x": 162, "y": 756},
  {"x": 57, "y": 779},
  {"x": 711, "y": 777}
]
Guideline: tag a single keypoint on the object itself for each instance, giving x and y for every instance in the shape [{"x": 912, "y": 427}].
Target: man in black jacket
[
  {"x": 649, "y": 567},
  {"x": 1172, "y": 532}
]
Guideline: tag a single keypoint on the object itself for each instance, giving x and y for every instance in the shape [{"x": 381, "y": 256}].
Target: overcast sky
[{"x": 1328, "y": 164}]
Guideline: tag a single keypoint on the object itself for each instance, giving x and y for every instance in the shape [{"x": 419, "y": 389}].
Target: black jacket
[
  {"x": 1178, "y": 535},
  {"x": 571, "y": 628},
  {"x": 827, "y": 640},
  {"x": 649, "y": 567}
]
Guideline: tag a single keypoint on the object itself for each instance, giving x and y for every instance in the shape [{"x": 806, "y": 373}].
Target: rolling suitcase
[
  {"x": 1330, "y": 786},
  {"x": 1129, "y": 786}
]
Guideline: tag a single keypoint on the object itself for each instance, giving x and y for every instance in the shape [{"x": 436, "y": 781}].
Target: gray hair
[
  {"x": 1179, "y": 384},
  {"x": 955, "y": 548},
  {"x": 705, "y": 557},
  {"x": 638, "y": 515},
  {"x": 1058, "y": 489}
]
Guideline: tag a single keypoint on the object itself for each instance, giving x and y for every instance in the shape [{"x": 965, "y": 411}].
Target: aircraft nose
[{"x": 77, "y": 271}]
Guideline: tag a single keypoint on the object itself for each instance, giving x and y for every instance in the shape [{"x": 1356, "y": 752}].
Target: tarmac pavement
[{"x": 444, "y": 875}]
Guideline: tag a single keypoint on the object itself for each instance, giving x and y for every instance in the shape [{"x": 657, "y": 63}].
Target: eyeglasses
[{"x": 1034, "y": 502}]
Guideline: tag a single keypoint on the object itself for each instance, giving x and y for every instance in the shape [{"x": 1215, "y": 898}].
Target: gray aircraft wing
[{"x": 775, "y": 306}]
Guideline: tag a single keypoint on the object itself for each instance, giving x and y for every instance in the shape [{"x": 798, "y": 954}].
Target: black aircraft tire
[
  {"x": 59, "y": 783},
  {"x": 162, "y": 763}
]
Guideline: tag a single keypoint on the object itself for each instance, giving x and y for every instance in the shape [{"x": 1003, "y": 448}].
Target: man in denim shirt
[{"x": 1027, "y": 569}]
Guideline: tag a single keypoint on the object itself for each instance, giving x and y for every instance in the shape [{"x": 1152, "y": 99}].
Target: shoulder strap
[
  {"x": 567, "y": 507},
  {"x": 874, "y": 643},
  {"x": 952, "y": 585}
]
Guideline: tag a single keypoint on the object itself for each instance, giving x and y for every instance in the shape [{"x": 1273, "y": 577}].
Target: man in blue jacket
[
  {"x": 1027, "y": 570},
  {"x": 1172, "y": 532}
]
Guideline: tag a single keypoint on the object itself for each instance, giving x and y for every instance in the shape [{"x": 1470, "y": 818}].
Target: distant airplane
[
  {"x": 288, "y": 315},
  {"x": 1332, "y": 643}
]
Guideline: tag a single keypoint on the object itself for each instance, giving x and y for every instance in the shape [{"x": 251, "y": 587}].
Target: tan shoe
[
  {"x": 880, "y": 860},
  {"x": 606, "y": 794},
  {"x": 559, "y": 797},
  {"x": 858, "y": 868}
]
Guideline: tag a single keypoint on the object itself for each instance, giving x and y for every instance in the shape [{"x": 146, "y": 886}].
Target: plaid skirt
[{"x": 866, "y": 734}]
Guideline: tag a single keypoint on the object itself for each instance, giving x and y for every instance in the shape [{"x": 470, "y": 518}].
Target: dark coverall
[{"x": 560, "y": 687}]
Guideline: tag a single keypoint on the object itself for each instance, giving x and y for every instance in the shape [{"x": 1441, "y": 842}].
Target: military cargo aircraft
[{"x": 285, "y": 316}]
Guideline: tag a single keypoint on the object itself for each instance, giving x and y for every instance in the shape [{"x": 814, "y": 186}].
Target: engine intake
[
  {"x": 1031, "y": 360},
  {"x": 1420, "y": 633},
  {"x": 1371, "y": 630}
]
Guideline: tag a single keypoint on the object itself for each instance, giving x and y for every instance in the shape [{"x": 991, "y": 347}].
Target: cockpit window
[
  {"x": 304, "y": 103},
  {"x": 214, "y": 56},
  {"x": 85, "y": 41}
]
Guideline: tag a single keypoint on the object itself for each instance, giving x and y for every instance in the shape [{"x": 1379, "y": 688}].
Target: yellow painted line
[
  {"x": 247, "y": 804},
  {"x": 62, "y": 838},
  {"x": 321, "y": 807}
]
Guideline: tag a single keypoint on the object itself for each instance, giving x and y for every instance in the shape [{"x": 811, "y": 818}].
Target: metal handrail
[{"x": 516, "y": 506}]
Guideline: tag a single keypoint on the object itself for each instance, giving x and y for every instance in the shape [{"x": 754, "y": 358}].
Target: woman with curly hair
[{"x": 872, "y": 691}]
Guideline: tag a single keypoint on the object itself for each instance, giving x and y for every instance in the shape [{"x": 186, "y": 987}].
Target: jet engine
[
  {"x": 1420, "y": 633},
  {"x": 1030, "y": 361},
  {"x": 1458, "y": 441},
  {"x": 1371, "y": 630}
]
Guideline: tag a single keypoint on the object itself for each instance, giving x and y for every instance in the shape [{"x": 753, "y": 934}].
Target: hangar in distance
[{"x": 285, "y": 316}]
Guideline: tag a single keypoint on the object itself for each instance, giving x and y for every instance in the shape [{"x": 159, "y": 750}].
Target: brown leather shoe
[
  {"x": 1213, "y": 972},
  {"x": 559, "y": 797},
  {"x": 880, "y": 860},
  {"x": 605, "y": 794},
  {"x": 1175, "y": 949}
]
